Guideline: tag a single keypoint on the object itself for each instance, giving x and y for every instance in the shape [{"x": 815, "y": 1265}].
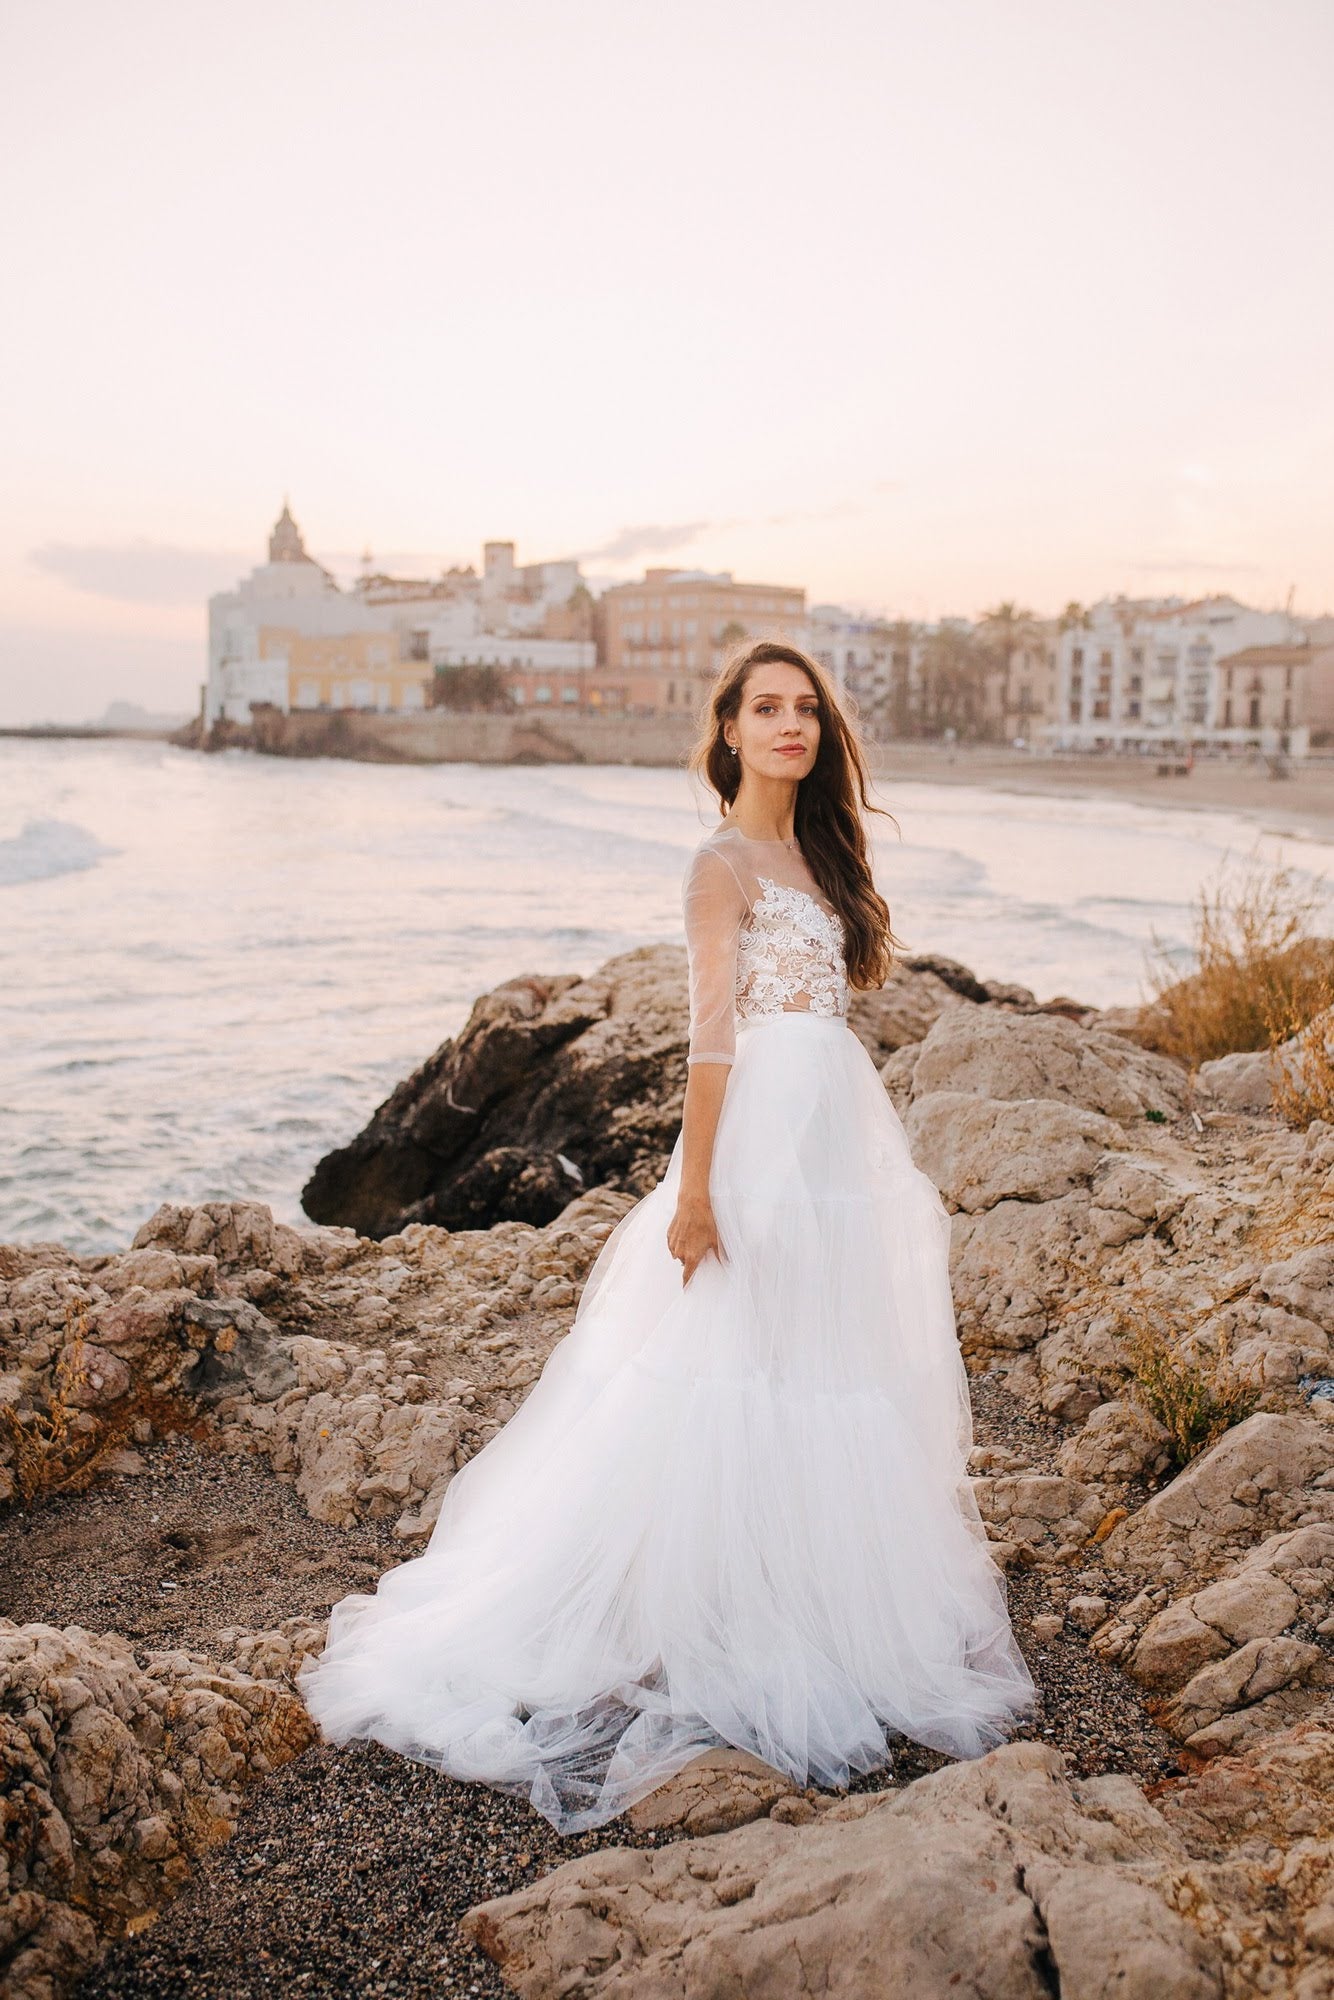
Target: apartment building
[
  {"x": 1135, "y": 673},
  {"x": 663, "y": 639}
]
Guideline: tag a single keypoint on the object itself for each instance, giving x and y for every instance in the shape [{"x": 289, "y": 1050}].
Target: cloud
[
  {"x": 142, "y": 572},
  {"x": 649, "y": 539}
]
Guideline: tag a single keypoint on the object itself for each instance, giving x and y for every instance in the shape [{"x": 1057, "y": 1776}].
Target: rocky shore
[{"x": 211, "y": 1436}]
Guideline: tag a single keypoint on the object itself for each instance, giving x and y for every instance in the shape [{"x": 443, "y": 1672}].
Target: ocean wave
[{"x": 47, "y": 847}]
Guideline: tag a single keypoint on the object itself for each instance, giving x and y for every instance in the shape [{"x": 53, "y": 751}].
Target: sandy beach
[{"x": 1301, "y": 806}]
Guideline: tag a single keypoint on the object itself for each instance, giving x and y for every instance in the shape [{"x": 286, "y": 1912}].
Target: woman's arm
[
  {"x": 715, "y": 907},
  {"x": 693, "y": 1231}
]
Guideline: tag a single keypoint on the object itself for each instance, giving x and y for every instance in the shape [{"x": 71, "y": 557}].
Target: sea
[{"x": 213, "y": 969}]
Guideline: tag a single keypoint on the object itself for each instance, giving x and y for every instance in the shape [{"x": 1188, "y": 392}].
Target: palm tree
[
  {"x": 953, "y": 674},
  {"x": 1003, "y": 630}
]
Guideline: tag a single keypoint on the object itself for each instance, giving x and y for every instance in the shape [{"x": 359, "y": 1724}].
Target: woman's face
[{"x": 777, "y": 727}]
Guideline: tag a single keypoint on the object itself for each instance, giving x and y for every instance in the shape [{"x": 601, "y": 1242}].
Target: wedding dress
[{"x": 730, "y": 1512}]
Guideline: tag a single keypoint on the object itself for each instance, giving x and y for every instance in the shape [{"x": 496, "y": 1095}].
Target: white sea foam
[{"x": 46, "y": 847}]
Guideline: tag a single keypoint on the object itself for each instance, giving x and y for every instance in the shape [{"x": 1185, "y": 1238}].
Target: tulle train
[{"x": 733, "y": 1512}]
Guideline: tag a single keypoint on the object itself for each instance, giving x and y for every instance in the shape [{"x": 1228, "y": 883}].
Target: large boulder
[
  {"x": 1006, "y": 1056},
  {"x": 1272, "y": 1472},
  {"x": 1001, "y": 1877}
]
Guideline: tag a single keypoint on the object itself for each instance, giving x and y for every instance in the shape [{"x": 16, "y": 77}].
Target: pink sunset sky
[{"x": 918, "y": 306}]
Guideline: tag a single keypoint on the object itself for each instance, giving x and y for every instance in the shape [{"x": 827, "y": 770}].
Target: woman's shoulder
[{"x": 717, "y": 857}]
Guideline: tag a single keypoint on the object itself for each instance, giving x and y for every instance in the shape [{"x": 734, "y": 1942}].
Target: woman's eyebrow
[{"x": 778, "y": 697}]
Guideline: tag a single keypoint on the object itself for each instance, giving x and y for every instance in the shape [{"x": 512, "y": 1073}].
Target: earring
[{"x": 735, "y": 749}]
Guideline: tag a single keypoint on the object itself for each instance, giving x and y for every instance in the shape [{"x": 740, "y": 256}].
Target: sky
[{"x": 919, "y": 306}]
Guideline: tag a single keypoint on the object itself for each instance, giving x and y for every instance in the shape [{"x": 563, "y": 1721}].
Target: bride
[{"x": 734, "y": 1508}]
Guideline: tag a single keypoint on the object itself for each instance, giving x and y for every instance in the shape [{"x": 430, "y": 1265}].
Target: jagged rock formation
[
  {"x": 1001, "y": 1877},
  {"x": 1088, "y": 1180},
  {"x": 117, "y": 1776}
]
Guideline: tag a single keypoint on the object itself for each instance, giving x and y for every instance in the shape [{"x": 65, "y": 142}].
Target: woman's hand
[{"x": 692, "y": 1233}]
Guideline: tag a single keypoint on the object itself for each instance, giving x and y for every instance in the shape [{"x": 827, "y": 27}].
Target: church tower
[{"x": 285, "y": 543}]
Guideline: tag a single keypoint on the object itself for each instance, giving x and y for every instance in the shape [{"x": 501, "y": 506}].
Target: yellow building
[
  {"x": 664, "y": 639},
  {"x": 347, "y": 669}
]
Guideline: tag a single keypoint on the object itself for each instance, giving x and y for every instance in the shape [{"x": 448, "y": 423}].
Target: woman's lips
[{"x": 792, "y": 750}]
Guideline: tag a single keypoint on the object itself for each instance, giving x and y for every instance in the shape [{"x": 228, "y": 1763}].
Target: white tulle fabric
[{"x": 735, "y": 1512}]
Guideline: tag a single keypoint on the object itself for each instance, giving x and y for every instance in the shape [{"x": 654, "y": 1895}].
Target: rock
[
  {"x": 980, "y": 1151},
  {"x": 1086, "y": 1613},
  {"x": 721, "y": 1789},
  {"x": 900, "y": 1012},
  {"x": 1244, "y": 1083},
  {"x": 1239, "y": 1082},
  {"x": 1215, "y": 1650},
  {"x": 1259, "y": 1477},
  {"x": 1039, "y": 1509},
  {"x": 117, "y": 1777},
  {"x": 1119, "y": 1440},
  {"x": 1009, "y": 1057},
  {"x": 1255, "y": 1670},
  {"x": 1000, "y": 1876}
]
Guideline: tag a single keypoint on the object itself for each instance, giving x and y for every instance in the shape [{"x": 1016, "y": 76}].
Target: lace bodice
[{"x": 761, "y": 938}]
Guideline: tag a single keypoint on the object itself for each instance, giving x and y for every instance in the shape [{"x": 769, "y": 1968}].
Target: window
[
  {"x": 541, "y": 694},
  {"x": 1077, "y": 657},
  {"x": 1132, "y": 710},
  {"x": 569, "y": 694},
  {"x": 1254, "y": 722},
  {"x": 1135, "y": 685}
]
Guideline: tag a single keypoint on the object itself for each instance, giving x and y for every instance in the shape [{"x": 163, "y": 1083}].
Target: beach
[{"x": 1299, "y": 805}]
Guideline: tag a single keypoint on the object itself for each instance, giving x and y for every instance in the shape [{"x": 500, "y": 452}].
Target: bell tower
[{"x": 285, "y": 543}]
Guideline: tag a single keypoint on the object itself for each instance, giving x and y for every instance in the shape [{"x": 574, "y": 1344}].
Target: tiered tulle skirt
[{"x": 734, "y": 1512}]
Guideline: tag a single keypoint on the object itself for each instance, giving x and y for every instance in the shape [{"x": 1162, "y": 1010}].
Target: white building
[
  {"x": 290, "y": 636},
  {"x": 1143, "y": 673}
]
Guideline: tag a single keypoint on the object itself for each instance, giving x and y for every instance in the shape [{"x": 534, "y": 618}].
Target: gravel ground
[
  {"x": 198, "y": 1540},
  {"x": 351, "y": 1866}
]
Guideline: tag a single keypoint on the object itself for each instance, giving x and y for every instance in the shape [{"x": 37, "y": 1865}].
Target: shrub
[
  {"x": 1196, "y": 1392},
  {"x": 1257, "y": 965}
]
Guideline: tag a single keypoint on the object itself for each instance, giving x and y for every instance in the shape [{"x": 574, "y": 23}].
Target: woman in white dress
[{"x": 734, "y": 1508}]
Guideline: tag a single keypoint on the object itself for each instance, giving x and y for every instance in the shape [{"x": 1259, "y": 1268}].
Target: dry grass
[
  {"x": 63, "y": 1447},
  {"x": 1301, "y": 1077},
  {"x": 1258, "y": 964},
  {"x": 1185, "y": 1376}
]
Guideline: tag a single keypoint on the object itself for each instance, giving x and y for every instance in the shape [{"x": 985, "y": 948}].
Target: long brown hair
[{"x": 831, "y": 800}]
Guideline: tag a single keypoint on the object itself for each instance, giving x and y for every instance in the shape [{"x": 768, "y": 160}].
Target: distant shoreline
[{"x": 46, "y": 732}]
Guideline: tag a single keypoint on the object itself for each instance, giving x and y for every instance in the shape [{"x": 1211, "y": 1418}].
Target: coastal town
[{"x": 1123, "y": 675}]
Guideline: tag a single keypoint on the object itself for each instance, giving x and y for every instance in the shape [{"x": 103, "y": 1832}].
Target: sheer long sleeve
[{"x": 714, "y": 906}]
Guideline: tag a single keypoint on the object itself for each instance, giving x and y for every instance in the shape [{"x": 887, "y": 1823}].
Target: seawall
[{"x": 445, "y": 736}]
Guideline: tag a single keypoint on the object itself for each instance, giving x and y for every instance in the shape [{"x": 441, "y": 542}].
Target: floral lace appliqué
[{"x": 789, "y": 945}]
